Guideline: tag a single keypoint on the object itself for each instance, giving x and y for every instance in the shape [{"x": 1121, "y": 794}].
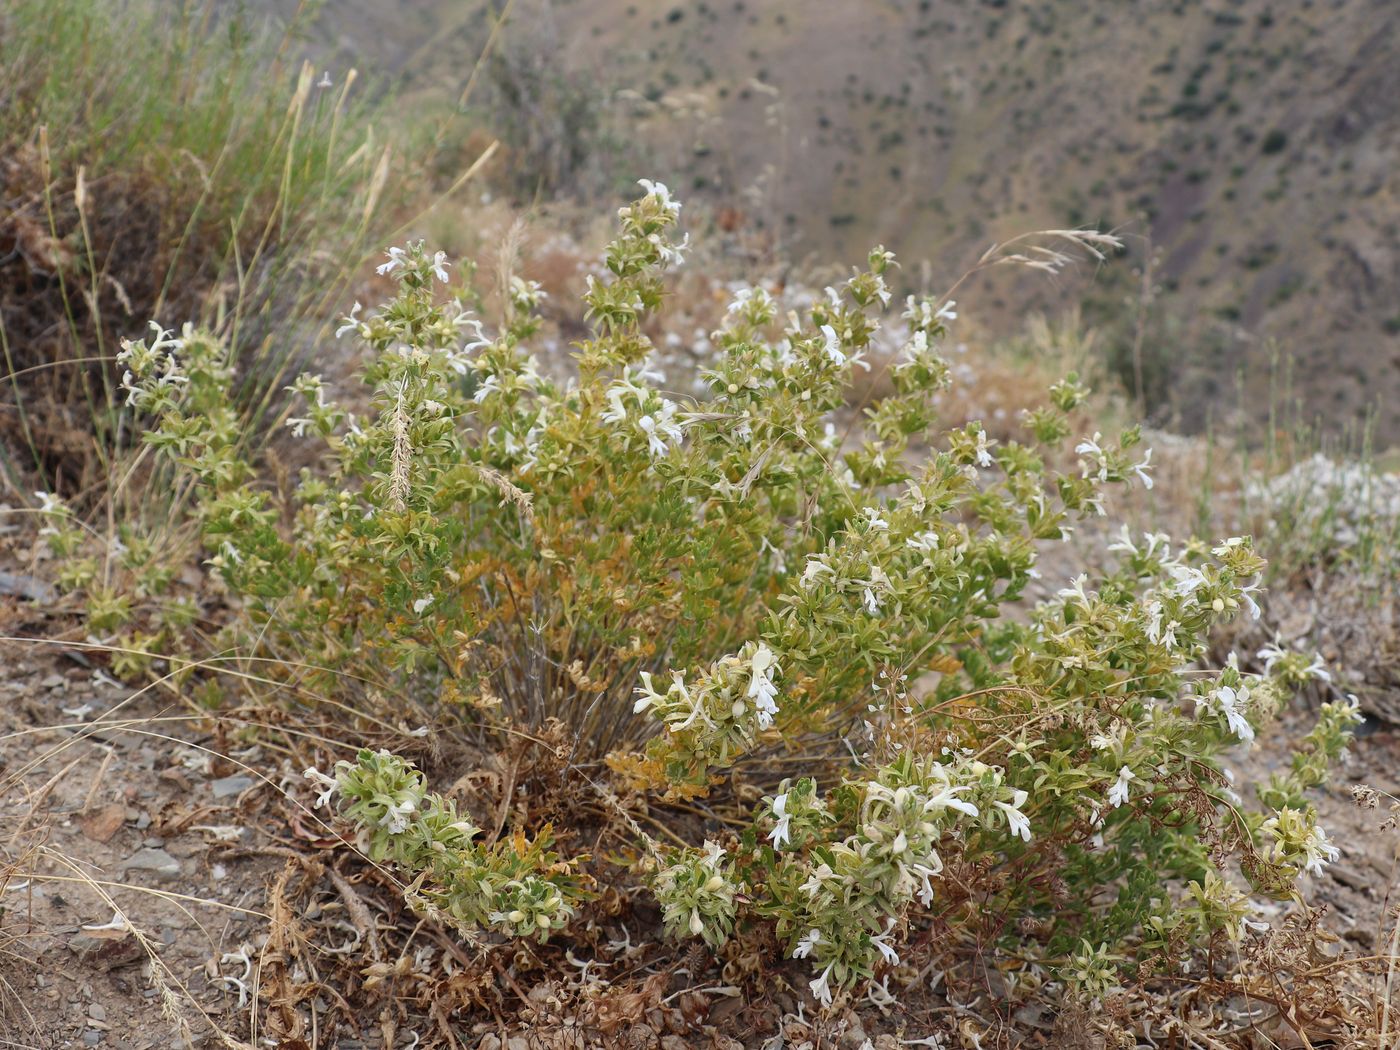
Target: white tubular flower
[
  {"x": 398, "y": 818},
  {"x": 833, "y": 345},
  {"x": 946, "y": 311},
  {"x": 984, "y": 457},
  {"x": 486, "y": 389},
  {"x": 877, "y": 523},
  {"x": 1271, "y": 653},
  {"x": 671, "y": 254},
  {"x": 616, "y": 412},
  {"x": 816, "y": 567},
  {"x": 662, "y": 433},
  {"x": 1318, "y": 669},
  {"x": 1090, "y": 446},
  {"x": 1226, "y": 701},
  {"x": 352, "y": 321},
  {"x": 1141, "y": 469},
  {"x": 649, "y": 696},
  {"x": 762, "y": 691},
  {"x": 1154, "y": 621},
  {"x": 1118, "y": 793},
  {"x": 821, "y": 986},
  {"x": 925, "y": 542},
  {"x": 422, "y": 603},
  {"x": 328, "y": 785},
  {"x": 947, "y": 798},
  {"x": 1319, "y": 852},
  {"x": 440, "y": 265},
  {"x": 1091, "y": 450},
  {"x": 806, "y": 944},
  {"x": 880, "y": 940},
  {"x": 925, "y": 873},
  {"x": 813, "y": 886},
  {"x": 662, "y": 195},
  {"x": 398, "y": 258},
  {"x": 1015, "y": 819},
  {"x": 1247, "y": 592},
  {"x": 872, "y": 603},
  {"x": 1076, "y": 590},
  {"x": 782, "y": 831}
]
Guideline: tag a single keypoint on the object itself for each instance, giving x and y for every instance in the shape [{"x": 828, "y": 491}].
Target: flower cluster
[
  {"x": 696, "y": 893},
  {"x": 515, "y": 887}
]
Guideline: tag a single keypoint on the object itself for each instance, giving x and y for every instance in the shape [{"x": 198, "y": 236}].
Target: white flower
[
  {"x": 1124, "y": 544},
  {"x": 833, "y": 345},
  {"x": 1118, "y": 793},
  {"x": 328, "y": 785},
  {"x": 440, "y": 266},
  {"x": 1154, "y": 621},
  {"x": 820, "y": 874},
  {"x": 816, "y": 566},
  {"x": 50, "y": 504},
  {"x": 984, "y": 458},
  {"x": 925, "y": 542},
  {"x": 820, "y": 986},
  {"x": 696, "y": 926},
  {"x": 662, "y": 433},
  {"x": 1090, "y": 449},
  {"x": 1320, "y": 851},
  {"x": 1271, "y": 654},
  {"x": 1141, "y": 469},
  {"x": 925, "y": 873},
  {"x": 1089, "y": 446},
  {"x": 421, "y": 604},
  {"x": 352, "y": 321},
  {"x": 1227, "y": 700},
  {"x": 1169, "y": 634},
  {"x": 876, "y": 522},
  {"x": 397, "y": 258},
  {"x": 872, "y": 603},
  {"x": 761, "y": 688},
  {"x": 671, "y": 254},
  {"x": 1015, "y": 819},
  {"x": 1076, "y": 590},
  {"x": 398, "y": 817},
  {"x": 1247, "y": 593},
  {"x": 782, "y": 831},
  {"x": 879, "y": 940},
  {"x": 325, "y": 80},
  {"x": 806, "y": 944},
  {"x": 1318, "y": 669},
  {"x": 648, "y": 695},
  {"x": 662, "y": 195},
  {"x": 947, "y": 798}
]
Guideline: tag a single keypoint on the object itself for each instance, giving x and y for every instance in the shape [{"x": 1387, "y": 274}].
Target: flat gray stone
[
  {"x": 226, "y": 786},
  {"x": 153, "y": 860}
]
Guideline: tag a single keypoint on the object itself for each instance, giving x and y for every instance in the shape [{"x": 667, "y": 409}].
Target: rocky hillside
[{"x": 1248, "y": 149}]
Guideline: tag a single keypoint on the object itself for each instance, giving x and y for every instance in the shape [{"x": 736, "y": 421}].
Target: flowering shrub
[
  {"x": 694, "y": 585},
  {"x": 1323, "y": 511}
]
